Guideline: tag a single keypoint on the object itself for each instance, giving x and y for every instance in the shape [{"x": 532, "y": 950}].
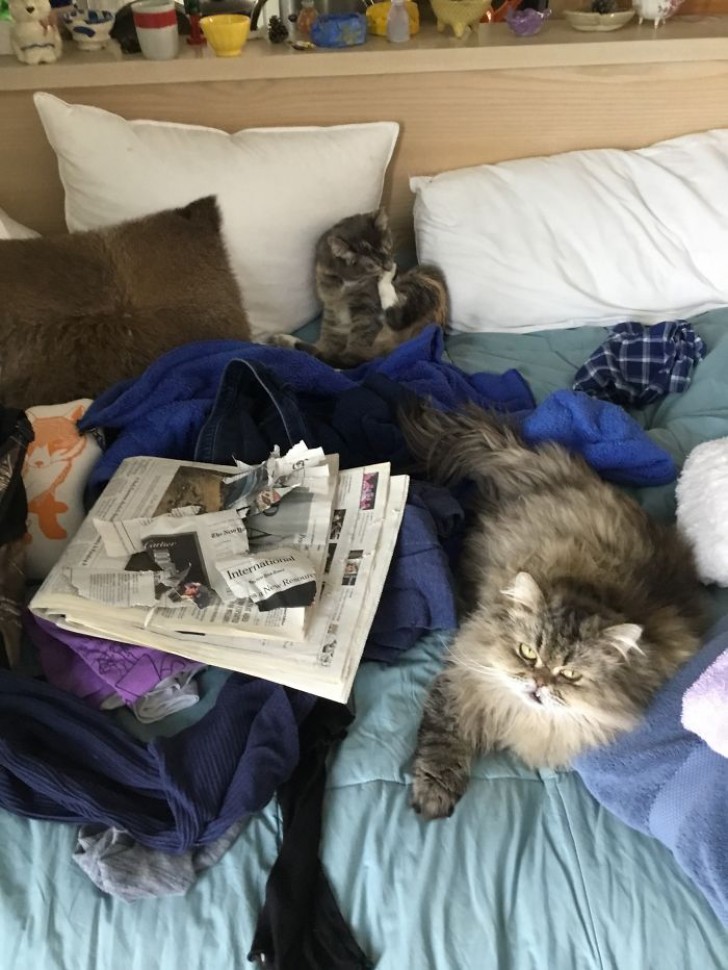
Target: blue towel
[
  {"x": 162, "y": 412},
  {"x": 638, "y": 364},
  {"x": 609, "y": 439},
  {"x": 666, "y": 782}
]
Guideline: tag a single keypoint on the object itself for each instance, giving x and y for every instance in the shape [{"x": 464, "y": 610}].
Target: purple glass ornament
[{"x": 526, "y": 23}]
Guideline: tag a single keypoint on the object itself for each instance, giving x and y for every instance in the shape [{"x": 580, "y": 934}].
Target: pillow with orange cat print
[{"x": 57, "y": 465}]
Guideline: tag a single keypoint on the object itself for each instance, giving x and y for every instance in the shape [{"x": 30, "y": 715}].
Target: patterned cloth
[{"x": 638, "y": 364}]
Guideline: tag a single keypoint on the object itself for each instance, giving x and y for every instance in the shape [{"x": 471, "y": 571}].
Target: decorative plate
[{"x": 586, "y": 20}]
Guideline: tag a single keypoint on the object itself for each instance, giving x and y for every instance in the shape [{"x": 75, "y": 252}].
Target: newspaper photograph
[{"x": 184, "y": 554}]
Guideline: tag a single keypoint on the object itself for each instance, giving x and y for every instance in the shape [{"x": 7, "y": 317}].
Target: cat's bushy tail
[
  {"x": 422, "y": 296},
  {"x": 482, "y": 446}
]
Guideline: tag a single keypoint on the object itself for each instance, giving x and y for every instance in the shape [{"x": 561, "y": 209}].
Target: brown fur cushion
[{"x": 80, "y": 312}]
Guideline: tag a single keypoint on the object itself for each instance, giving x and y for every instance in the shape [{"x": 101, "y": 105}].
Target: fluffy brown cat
[
  {"x": 369, "y": 309},
  {"x": 581, "y": 606}
]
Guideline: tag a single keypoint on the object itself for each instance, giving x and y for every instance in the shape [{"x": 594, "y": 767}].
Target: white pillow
[
  {"x": 278, "y": 188},
  {"x": 10, "y": 229},
  {"x": 590, "y": 237}
]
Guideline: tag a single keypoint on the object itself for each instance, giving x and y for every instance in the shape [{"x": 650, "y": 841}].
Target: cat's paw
[
  {"x": 283, "y": 340},
  {"x": 433, "y": 797}
]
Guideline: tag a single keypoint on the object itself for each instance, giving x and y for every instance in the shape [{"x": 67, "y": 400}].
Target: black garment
[
  {"x": 16, "y": 434},
  {"x": 300, "y": 926}
]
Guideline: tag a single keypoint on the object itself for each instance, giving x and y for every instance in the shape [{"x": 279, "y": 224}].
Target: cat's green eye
[
  {"x": 568, "y": 673},
  {"x": 528, "y": 653}
]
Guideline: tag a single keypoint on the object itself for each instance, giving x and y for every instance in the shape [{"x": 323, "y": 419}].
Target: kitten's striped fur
[
  {"x": 581, "y": 606},
  {"x": 354, "y": 278}
]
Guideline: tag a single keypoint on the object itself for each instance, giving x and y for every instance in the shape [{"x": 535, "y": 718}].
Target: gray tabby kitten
[
  {"x": 581, "y": 607},
  {"x": 368, "y": 310}
]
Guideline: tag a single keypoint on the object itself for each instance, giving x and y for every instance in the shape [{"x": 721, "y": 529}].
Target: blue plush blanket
[
  {"x": 354, "y": 413},
  {"x": 666, "y": 782},
  {"x": 162, "y": 412}
]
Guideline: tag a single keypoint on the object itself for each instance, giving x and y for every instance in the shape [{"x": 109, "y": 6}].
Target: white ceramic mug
[{"x": 156, "y": 27}]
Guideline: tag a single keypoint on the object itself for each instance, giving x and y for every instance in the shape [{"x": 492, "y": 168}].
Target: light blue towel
[{"x": 666, "y": 782}]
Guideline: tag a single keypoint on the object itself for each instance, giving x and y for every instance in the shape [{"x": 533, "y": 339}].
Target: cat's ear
[
  {"x": 525, "y": 591},
  {"x": 625, "y": 637},
  {"x": 381, "y": 220},
  {"x": 341, "y": 249}
]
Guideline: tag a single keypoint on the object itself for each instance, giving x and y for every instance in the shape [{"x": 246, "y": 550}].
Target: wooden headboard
[{"x": 449, "y": 118}]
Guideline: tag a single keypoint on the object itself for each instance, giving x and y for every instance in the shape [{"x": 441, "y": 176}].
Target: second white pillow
[{"x": 591, "y": 237}]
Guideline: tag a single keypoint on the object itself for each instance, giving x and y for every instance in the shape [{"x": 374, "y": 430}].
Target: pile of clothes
[{"x": 157, "y": 807}]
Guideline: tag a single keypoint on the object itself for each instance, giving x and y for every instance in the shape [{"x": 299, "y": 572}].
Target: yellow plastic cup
[{"x": 226, "y": 33}]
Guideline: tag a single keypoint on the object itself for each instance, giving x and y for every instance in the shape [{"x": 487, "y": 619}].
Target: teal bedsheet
[
  {"x": 529, "y": 874},
  {"x": 550, "y": 360}
]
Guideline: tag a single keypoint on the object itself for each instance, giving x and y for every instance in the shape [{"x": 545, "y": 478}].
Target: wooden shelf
[{"x": 493, "y": 47}]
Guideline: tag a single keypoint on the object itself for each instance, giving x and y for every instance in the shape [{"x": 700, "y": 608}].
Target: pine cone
[
  {"x": 603, "y": 6},
  {"x": 277, "y": 31}
]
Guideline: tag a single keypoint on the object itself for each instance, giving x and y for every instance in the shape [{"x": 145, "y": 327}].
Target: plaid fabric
[{"x": 637, "y": 364}]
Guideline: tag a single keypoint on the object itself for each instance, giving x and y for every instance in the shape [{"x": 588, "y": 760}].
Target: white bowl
[
  {"x": 90, "y": 29},
  {"x": 586, "y": 20}
]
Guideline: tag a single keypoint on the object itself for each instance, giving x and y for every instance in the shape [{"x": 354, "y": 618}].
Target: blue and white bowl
[{"x": 90, "y": 28}]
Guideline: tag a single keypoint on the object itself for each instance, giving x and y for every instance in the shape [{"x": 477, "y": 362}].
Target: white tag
[{"x": 387, "y": 292}]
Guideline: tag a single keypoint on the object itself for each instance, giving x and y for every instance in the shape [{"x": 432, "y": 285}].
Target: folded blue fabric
[
  {"x": 609, "y": 439},
  {"x": 161, "y": 412},
  {"x": 638, "y": 364},
  {"x": 418, "y": 596},
  {"x": 666, "y": 782}
]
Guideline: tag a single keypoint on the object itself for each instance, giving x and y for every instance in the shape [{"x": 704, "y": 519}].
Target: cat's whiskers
[{"x": 476, "y": 668}]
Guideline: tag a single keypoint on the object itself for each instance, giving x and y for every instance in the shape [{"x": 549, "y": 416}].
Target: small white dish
[{"x": 586, "y": 20}]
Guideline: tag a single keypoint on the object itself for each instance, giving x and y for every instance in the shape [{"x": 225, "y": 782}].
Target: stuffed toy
[
  {"x": 34, "y": 36},
  {"x": 701, "y": 491}
]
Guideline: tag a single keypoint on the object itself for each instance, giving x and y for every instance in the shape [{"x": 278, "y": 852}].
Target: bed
[{"x": 530, "y": 871}]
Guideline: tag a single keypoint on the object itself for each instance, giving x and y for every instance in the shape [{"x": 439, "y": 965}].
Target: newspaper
[
  {"x": 179, "y": 556},
  {"x": 339, "y": 527}
]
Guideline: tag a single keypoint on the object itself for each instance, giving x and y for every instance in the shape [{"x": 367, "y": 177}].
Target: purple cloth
[
  {"x": 94, "y": 669},
  {"x": 705, "y": 705},
  {"x": 63, "y": 761}
]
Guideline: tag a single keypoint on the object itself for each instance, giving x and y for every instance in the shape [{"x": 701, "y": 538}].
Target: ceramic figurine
[
  {"x": 90, "y": 29},
  {"x": 34, "y": 37},
  {"x": 462, "y": 15},
  {"x": 657, "y": 10},
  {"x": 307, "y": 17}
]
